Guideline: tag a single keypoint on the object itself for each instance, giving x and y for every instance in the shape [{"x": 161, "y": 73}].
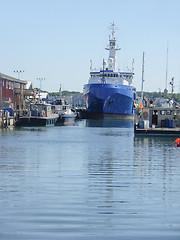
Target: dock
[
  {"x": 156, "y": 131},
  {"x": 158, "y": 121},
  {"x": 6, "y": 120}
]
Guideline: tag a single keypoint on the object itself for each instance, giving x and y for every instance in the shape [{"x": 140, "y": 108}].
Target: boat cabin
[
  {"x": 161, "y": 117},
  {"x": 41, "y": 110}
]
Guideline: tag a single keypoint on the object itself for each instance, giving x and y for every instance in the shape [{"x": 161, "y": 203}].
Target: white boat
[{"x": 67, "y": 115}]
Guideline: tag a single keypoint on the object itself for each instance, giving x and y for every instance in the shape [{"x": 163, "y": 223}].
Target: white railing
[{"x": 118, "y": 81}]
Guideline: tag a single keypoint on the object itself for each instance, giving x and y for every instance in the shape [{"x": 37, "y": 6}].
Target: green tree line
[{"x": 154, "y": 95}]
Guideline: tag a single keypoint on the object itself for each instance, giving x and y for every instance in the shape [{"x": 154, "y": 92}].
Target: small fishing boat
[
  {"x": 39, "y": 114},
  {"x": 67, "y": 115},
  {"x": 158, "y": 121}
]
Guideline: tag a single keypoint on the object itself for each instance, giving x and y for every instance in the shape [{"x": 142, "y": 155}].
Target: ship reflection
[{"x": 108, "y": 123}]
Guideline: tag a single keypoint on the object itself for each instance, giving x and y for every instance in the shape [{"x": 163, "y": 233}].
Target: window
[
  {"x": 162, "y": 112},
  {"x": 168, "y": 112},
  {"x": 10, "y": 85},
  {"x": 155, "y": 112}
]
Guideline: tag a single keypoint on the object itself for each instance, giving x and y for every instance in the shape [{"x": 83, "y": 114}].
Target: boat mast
[
  {"x": 172, "y": 84},
  {"x": 112, "y": 49},
  {"x": 166, "y": 90},
  {"x": 142, "y": 79},
  {"x": 90, "y": 65},
  {"x": 103, "y": 77},
  {"x": 132, "y": 65}
]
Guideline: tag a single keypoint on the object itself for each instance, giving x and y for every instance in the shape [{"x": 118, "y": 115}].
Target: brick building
[{"x": 11, "y": 92}]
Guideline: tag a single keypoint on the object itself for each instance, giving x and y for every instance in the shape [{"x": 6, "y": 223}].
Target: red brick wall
[{"x": 6, "y": 91}]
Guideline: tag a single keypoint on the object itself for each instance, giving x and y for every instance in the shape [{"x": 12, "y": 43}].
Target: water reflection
[
  {"x": 108, "y": 163},
  {"x": 119, "y": 123},
  {"x": 83, "y": 182},
  {"x": 158, "y": 148},
  {"x": 156, "y": 163}
]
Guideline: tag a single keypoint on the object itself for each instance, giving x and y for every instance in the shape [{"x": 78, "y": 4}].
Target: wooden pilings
[{"x": 6, "y": 120}]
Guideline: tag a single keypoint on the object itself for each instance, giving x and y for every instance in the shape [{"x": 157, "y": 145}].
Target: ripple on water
[{"x": 88, "y": 181}]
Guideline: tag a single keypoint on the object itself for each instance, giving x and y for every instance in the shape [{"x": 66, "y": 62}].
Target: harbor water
[{"x": 93, "y": 180}]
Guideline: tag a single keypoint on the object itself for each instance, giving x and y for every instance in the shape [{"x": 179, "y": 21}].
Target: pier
[
  {"x": 156, "y": 131},
  {"x": 158, "y": 121},
  {"x": 6, "y": 120}
]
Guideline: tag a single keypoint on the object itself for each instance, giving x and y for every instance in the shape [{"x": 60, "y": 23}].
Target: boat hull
[
  {"x": 109, "y": 99},
  {"x": 36, "y": 121},
  {"x": 68, "y": 119}
]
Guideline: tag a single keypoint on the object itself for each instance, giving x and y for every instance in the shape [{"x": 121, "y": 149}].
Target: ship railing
[{"x": 110, "y": 81}]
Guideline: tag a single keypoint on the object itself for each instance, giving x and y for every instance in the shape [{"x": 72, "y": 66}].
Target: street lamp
[{"x": 18, "y": 72}]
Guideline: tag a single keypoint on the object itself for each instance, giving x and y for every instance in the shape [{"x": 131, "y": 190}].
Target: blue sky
[{"x": 56, "y": 40}]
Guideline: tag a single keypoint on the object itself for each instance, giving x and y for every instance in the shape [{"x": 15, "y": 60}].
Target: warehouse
[{"x": 11, "y": 92}]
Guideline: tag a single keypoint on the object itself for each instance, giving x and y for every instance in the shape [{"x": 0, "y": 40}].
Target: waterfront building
[{"x": 11, "y": 92}]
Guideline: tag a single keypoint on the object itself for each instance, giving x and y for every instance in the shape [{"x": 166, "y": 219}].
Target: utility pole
[{"x": 21, "y": 96}]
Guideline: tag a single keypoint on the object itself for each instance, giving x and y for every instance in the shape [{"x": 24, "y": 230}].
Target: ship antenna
[
  {"x": 172, "y": 84},
  {"x": 90, "y": 64},
  {"x": 113, "y": 30},
  {"x": 103, "y": 77},
  {"x": 112, "y": 49},
  {"x": 132, "y": 65}
]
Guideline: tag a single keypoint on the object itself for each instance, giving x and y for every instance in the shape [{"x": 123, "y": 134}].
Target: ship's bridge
[{"x": 111, "y": 77}]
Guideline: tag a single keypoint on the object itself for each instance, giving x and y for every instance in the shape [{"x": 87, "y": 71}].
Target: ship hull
[
  {"x": 66, "y": 119},
  {"x": 109, "y": 100},
  {"x": 36, "y": 121}
]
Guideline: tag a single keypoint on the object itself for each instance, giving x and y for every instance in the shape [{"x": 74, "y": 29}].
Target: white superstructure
[
  {"x": 109, "y": 74},
  {"x": 112, "y": 50}
]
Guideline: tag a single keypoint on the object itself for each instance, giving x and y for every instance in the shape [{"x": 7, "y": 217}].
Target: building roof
[{"x": 12, "y": 79}]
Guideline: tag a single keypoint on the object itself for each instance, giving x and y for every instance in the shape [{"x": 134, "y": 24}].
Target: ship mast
[
  {"x": 142, "y": 79},
  {"x": 103, "y": 78},
  {"x": 166, "y": 90},
  {"x": 112, "y": 49}
]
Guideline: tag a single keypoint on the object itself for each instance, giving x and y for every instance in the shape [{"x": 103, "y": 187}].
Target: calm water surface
[{"x": 94, "y": 180}]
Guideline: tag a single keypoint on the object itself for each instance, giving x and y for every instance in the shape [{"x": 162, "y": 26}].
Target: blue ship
[{"x": 109, "y": 91}]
